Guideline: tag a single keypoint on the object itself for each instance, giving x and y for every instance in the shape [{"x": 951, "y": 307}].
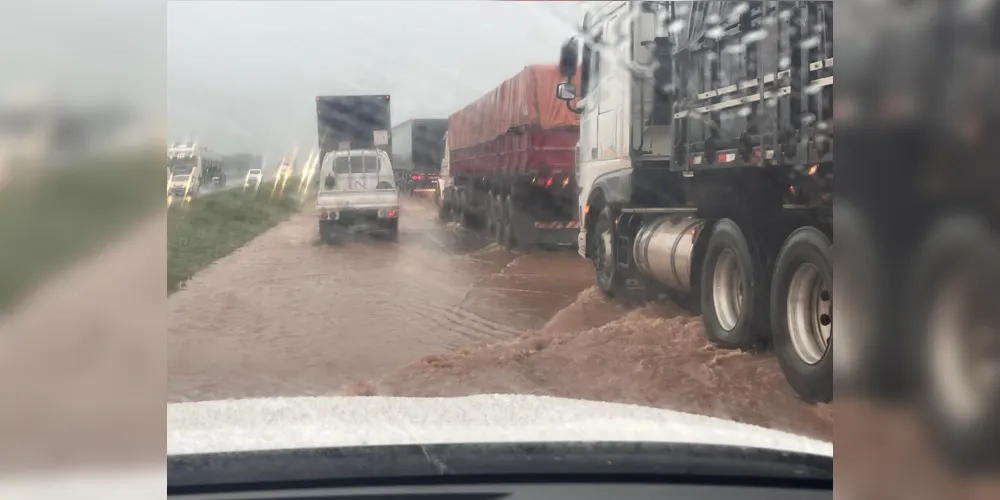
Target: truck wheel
[
  {"x": 734, "y": 290},
  {"x": 956, "y": 307},
  {"x": 394, "y": 230},
  {"x": 466, "y": 219},
  {"x": 605, "y": 254},
  {"x": 508, "y": 233},
  {"x": 491, "y": 213},
  {"x": 327, "y": 233},
  {"x": 802, "y": 314}
]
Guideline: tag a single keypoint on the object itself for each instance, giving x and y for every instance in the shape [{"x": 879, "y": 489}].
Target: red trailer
[{"x": 511, "y": 157}]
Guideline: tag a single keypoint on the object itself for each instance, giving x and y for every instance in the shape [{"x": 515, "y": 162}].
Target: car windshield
[{"x": 571, "y": 250}]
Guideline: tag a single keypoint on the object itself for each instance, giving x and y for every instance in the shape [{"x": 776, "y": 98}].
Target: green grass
[
  {"x": 57, "y": 215},
  {"x": 211, "y": 227}
]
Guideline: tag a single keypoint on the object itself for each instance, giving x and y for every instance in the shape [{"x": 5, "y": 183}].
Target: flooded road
[
  {"x": 289, "y": 315},
  {"x": 445, "y": 312}
]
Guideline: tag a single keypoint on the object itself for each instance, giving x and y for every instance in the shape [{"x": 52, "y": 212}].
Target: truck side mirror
[
  {"x": 568, "y": 59},
  {"x": 565, "y": 91}
]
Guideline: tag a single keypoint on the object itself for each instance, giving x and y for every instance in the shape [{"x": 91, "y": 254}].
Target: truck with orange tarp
[{"x": 510, "y": 156}]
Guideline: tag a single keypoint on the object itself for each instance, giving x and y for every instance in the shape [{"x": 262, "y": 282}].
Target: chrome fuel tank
[{"x": 664, "y": 250}]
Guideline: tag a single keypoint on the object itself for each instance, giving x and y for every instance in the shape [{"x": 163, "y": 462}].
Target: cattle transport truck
[
  {"x": 510, "y": 161},
  {"x": 706, "y": 167},
  {"x": 418, "y": 149}
]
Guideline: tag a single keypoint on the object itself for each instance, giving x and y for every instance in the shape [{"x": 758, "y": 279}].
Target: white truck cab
[{"x": 356, "y": 191}]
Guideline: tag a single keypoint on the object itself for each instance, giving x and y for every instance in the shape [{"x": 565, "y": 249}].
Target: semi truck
[
  {"x": 511, "y": 162},
  {"x": 353, "y": 122},
  {"x": 190, "y": 166},
  {"x": 706, "y": 168},
  {"x": 418, "y": 149}
]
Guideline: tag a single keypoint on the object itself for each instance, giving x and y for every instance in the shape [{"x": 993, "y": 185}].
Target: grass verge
[
  {"x": 211, "y": 227},
  {"x": 50, "y": 217}
]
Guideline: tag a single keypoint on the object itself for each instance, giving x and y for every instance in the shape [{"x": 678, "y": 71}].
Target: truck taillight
[
  {"x": 416, "y": 177},
  {"x": 391, "y": 213},
  {"x": 548, "y": 182}
]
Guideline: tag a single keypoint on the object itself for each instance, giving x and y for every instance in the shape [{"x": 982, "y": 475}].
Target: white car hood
[{"x": 320, "y": 422}]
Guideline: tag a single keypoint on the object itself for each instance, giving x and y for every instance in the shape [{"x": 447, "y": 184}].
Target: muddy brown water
[
  {"x": 288, "y": 315},
  {"x": 445, "y": 312}
]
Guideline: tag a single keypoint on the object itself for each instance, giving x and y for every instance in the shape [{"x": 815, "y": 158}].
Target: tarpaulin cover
[{"x": 523, "y": 100}]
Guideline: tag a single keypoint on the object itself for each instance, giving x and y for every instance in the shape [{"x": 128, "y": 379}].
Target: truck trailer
[
  {"x": 353, "y": 122},
  {"x": 511, "y": 162},
  {"x": 418, "y": 148},
  {"x": 706, "y": 168}
]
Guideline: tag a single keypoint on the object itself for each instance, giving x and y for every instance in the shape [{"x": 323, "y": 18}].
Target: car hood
[{"x": 330, "y": 422}]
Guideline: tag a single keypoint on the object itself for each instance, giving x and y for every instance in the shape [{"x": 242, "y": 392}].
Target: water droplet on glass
[
  {"x": 754, "y": 36},
  {"x": 771, "y": 102},
  {"x": 823, "y": 125},
  {"x": 744, "y": 111},
  {"x": 819, "y": 28},
  {"x": 676, "y": 26},
  {"x": 810, "y": 42},
  {"x": 713, "y": 19},
  {"x": 681, "y": 8},
  {"x": 813, "y": 89},
  {"x": 735, "y": 48},
  {"x": 715, "y": 33},
  {"x": 784, "y": 62},
  {"x": 710, "y": 56},
  {"x": 739, "y": 10},
  {"x": 768, "y": 21},
  {"x": 808, "y": 119},
  {"x": 785, "y": 15}
]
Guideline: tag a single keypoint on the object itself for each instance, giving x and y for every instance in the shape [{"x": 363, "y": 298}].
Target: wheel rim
[
  {"x": 809, "y": 308},
  {"x": 963, "y": 354},
  {"x": 727, "y": 294}
]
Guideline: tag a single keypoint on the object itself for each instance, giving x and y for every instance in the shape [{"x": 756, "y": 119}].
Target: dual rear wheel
[{"x": 750, "y": 307}]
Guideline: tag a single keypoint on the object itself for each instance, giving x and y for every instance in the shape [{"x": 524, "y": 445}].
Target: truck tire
[
  {"x": 605, "y": 255},
  {"x": 955, "y": 308},
  {"x": 394, "y": 230},
  {"x": 734, "y": 290},
  {"x": 327, "y": 233},
  {"x": 491, "y": 213},
  {"x": 802, "y": 313},
  {"x": 506, "y": 235}
]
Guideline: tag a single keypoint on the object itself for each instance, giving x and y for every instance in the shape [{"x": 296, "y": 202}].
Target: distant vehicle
[
  {"x": 512, "y": 157},
  {"x": 179, "y": 187},
  {"x": 417, "y": 150},
  {"x": 199, "y": 164},
  {"x": 253, "y": 178},
  {"x": 357, "y": 192}
]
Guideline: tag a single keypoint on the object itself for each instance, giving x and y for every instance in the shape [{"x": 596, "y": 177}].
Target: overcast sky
[{"x": 243, "y": 76}]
